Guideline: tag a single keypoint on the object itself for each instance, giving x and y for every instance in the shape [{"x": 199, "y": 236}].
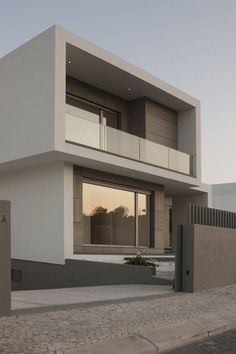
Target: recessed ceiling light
[
  {"x": 129, "y": 90},
  {"x": 69, "y": 61}
]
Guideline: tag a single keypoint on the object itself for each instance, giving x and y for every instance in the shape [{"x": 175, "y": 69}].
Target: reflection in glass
[
  {"x": 82, "y": 110},
  {"x": 109, "y": 216},
  {"x": 110, "y": 119},
  {"x": 143, "y": 219}
]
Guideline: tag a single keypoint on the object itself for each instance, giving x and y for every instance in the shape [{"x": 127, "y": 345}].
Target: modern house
[{"x": 99, "y": 158}]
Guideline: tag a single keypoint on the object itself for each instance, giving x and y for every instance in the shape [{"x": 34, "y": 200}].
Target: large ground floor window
[{"x": 115, "y": 216}]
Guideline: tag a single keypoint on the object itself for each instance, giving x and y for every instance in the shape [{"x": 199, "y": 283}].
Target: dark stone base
[{"x": 28, "y": 275}]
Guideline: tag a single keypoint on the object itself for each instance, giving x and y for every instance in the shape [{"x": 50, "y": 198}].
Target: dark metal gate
[{"x": 202, "y": 215}]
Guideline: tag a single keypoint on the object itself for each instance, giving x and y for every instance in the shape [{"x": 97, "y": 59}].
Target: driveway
[{"x": 54, "y": 297}]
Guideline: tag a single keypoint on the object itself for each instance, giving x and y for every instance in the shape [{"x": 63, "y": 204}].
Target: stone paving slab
[
  {"x": 128, "y": 345},
  {"x": 175, "y": 335},
  {"x": 52, "y": 297},
  {"x": 212, "y": 324},
  {"x": 57, "y": 332}
]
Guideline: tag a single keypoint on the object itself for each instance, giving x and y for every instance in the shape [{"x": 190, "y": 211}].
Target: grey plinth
[{"x": 5, "y": 258}]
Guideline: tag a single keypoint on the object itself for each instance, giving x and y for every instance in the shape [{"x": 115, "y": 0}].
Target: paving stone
[
  {"x": 175, "y": 335},
  {"x": 212, "y": 324},
  {"x": 59, "y": 331},
  {"x": 129, "y": 345}
]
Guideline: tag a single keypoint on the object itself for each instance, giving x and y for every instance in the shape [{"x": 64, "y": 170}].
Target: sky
[{"x": 191, "y": 44}]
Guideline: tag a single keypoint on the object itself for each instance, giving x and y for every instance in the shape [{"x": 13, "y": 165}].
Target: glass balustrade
[
  {"x": 153, "y": 153},
  {"x": 179, "y": 161},
  {"x": 83, "y": 131},
  {"x": 90, "y": 133},
  {"x": 121, "y": 143}
]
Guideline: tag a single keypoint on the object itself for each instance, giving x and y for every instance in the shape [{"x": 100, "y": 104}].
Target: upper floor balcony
[
  {"x": 142, "y": 127},
  {"x": 99, "y": 131}
]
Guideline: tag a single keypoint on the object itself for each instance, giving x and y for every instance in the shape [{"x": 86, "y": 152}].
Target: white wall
[
  {"x": 189, "y": 139},
  {"x": 38, "y": 204},
  {"x": 68, "y": 211},
  {"x": 27, "y": 99}
]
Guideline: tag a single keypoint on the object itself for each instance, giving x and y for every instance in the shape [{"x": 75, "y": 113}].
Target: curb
[{"x": 163, "y": 338}]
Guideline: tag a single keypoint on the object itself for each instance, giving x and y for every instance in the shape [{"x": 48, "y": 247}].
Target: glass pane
[
  {"x": 179, "y": 161},
  {"x": 110, "y": 119},
  {"x": 121, "y": 143},
  {"x": 108, "y": 215},
  {"x": 153, "y": 153},
  {"x": 82, "y": 131},
  {"x": 143, "y": 220},
  {"x": 82, "y": 110}
]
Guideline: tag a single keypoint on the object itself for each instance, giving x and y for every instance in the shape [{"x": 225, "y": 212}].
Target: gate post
[
  {"x": 178, "y": 258},
  {"x": 5, "y": 258}
]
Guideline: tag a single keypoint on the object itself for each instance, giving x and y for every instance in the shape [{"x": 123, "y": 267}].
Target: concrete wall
[
  {"x": 5, "y": 258},
  {"x": 41, "y": 212},
  {"x": 80, "y": 273},
  {"x": 208, "y": 257},
  {"x": 180, "y": 208},
  {"x": 27, "y": 99}
]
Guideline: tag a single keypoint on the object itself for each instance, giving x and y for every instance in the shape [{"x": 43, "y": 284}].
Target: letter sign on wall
[{"x": 3, "y": 218}]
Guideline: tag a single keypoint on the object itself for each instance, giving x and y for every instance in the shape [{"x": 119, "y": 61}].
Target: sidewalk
[
  {"x": 144, "y": 326},
  {"x": 48, "y": 298}
]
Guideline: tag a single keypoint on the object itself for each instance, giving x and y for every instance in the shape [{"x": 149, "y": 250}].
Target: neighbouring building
[
  {"x": 224, "y": 196},
  {"x": 98, "y": 157}
]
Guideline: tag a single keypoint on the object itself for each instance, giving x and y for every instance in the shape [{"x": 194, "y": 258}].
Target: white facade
[{"x": 36, "y": 159}]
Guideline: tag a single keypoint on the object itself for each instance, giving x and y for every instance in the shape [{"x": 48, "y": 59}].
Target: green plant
[{"x": 140, "y": 260}]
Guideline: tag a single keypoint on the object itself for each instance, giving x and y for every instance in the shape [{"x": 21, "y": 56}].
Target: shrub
[{"x": 141, "y": 261}]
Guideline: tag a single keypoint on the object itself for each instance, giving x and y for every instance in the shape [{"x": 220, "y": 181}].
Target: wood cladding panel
[
  {"x": 137, "y": 124},
  {"x": 161, "y": 124},
  {"x": 156, "y": 127}
]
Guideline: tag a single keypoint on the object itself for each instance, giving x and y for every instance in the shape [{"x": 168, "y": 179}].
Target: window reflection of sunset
[
  {"x": 106, "y": 197},
  {"x": 142, "y": 204}
]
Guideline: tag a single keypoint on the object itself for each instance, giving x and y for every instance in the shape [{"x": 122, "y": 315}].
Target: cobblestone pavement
[
  {"x": 223, "y": 343},
  {"x": 57, "y": 331}
]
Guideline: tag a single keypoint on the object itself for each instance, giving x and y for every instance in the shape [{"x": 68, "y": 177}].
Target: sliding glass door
[{"x": 115, "y": 216}]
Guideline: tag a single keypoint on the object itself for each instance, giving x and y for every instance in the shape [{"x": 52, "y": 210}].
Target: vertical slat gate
[{"x": 202, "y": 215}]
